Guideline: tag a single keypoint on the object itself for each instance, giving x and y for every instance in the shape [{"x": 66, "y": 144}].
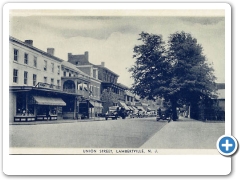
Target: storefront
[
  {"x": 46, "y": 108},
  {"x": 34, "y": 104}
]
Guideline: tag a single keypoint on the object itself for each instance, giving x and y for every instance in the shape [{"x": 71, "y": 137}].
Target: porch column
[{"x": 75, "y": 109}]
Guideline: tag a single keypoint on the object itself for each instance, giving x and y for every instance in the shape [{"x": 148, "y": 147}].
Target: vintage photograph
[{"x": 115, "y": 81}]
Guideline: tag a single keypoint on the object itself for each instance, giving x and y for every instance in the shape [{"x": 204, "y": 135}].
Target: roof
[
  {"x": 34, "y": 48},
  {"x": 123, "y": 86},
  {"x": 100, "y": 66},
  {"x": 221, "y": 94},
  {"x": 128, "y": 93},
  {"x": 73, "y": 67}
]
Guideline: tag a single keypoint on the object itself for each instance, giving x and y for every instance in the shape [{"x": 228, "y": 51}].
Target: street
[
  {"x": 128, "y": 133},
  {"x": 93, "y": 134}
]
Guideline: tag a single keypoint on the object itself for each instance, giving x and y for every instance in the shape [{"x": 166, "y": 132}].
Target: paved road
[{"x": 128, "y": 133}]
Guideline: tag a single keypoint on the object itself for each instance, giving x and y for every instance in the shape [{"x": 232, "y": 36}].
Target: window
[
  {"x": 45, "y": 79},
  {"x": 58, "y": 69},
  {"x": 52, "y": 67},
  {"x": 35, "y": 61},
  {"x": 15, "y": 54},
  {"x": 34, "y": 79},
  {"x": 52, "y": 81},
  {"x": 58, "y": 82},
  {"x": 94, "y": 73},
  {"x": 25, "y": 77},
  {"x": 15, "y": 75},
  {"x": 70, "y": 74},
  {"x": 45, "y": 65},
  {"x": 64, "y": 73},
  {"x": 25, "y": 58}
]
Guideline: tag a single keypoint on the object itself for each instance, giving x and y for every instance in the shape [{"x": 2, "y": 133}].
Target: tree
[
  {"x": 178, "y": 71},
  {"x": 108, "y": 98}
]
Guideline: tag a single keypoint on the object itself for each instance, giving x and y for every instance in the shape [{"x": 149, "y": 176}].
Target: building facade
[
  {"x": 44, "y": 87},
  {"x": 82, "y": 63},
  {"x": 34, "y": 82},
  {"x": 103, "y": 80}
]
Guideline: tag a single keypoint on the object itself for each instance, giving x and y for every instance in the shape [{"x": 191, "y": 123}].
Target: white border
[{"x": 111, "y": 164}]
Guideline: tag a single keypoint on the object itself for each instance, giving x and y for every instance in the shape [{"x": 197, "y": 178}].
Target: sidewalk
[
  {"x": 186, "y": 134},
  {"x": 58, "y": 121}
]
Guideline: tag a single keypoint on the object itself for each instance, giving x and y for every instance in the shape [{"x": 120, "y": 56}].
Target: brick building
[{"x": 111, "y": 92}]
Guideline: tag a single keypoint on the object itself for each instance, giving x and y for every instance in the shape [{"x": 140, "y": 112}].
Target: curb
[{"x": 54, "y": 122}]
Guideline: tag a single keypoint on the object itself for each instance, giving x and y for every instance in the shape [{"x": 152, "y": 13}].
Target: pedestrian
[{"x": 47, "y": 113}]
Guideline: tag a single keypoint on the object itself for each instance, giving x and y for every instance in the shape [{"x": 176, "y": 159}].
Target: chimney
[
  {"x": 86, "y": 55},
  {"x": 50, "y": 51},
  {"x": 29, "y": 42},
  {"x": 102, "y": 64},
  {"x": 69, "y": 56}
]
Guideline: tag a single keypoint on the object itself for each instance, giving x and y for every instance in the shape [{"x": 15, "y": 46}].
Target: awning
[
  {"x": 131, "y": 108},
  {"x": 149, "y": 109},
  {"x": 91, "y": 104},
  {"x": 123, "y": 105},
  {"x": 140, "y": 108},
  {"x": 135, "y": 109},
  {"x": 40, "y": 100}
]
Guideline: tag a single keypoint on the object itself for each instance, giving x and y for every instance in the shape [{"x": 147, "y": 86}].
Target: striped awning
[
  {"x": 123, "y": 105},
  {"x": 131, "y": 108},
  {"x": 40, "y": 100}
]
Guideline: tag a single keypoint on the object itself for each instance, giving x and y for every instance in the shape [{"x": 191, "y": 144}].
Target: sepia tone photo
[{"x": 116, "y": 81}]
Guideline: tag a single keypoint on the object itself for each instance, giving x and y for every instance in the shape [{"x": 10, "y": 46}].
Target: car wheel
[{"x": 106, "y": 118}]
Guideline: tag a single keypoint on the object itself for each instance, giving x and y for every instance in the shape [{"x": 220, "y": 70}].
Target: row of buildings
[{"x": 45, "y": 87}]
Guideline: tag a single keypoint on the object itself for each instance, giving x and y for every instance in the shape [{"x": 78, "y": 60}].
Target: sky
[{"x": 111, "y": 38}]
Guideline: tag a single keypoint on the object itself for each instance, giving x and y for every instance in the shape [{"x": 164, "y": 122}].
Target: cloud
[
  {"x": 111, "y": 39},
  {"x": 202, "y": 20}
]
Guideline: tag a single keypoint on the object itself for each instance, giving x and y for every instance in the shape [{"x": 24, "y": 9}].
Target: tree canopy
[{"x": 177, "y": 70}]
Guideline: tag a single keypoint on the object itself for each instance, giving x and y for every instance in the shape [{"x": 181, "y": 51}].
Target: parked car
[{"x": 164, "y": 114}]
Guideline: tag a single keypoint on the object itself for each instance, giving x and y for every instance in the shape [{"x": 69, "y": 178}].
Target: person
[
  {"x": 23, "y": 112},
  {"x": 47, "y": 113}
]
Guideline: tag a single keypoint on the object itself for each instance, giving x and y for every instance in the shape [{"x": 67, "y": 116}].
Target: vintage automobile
[
  {"x": 164, "y": 114},
  {"x": 112, "y": 113}
]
